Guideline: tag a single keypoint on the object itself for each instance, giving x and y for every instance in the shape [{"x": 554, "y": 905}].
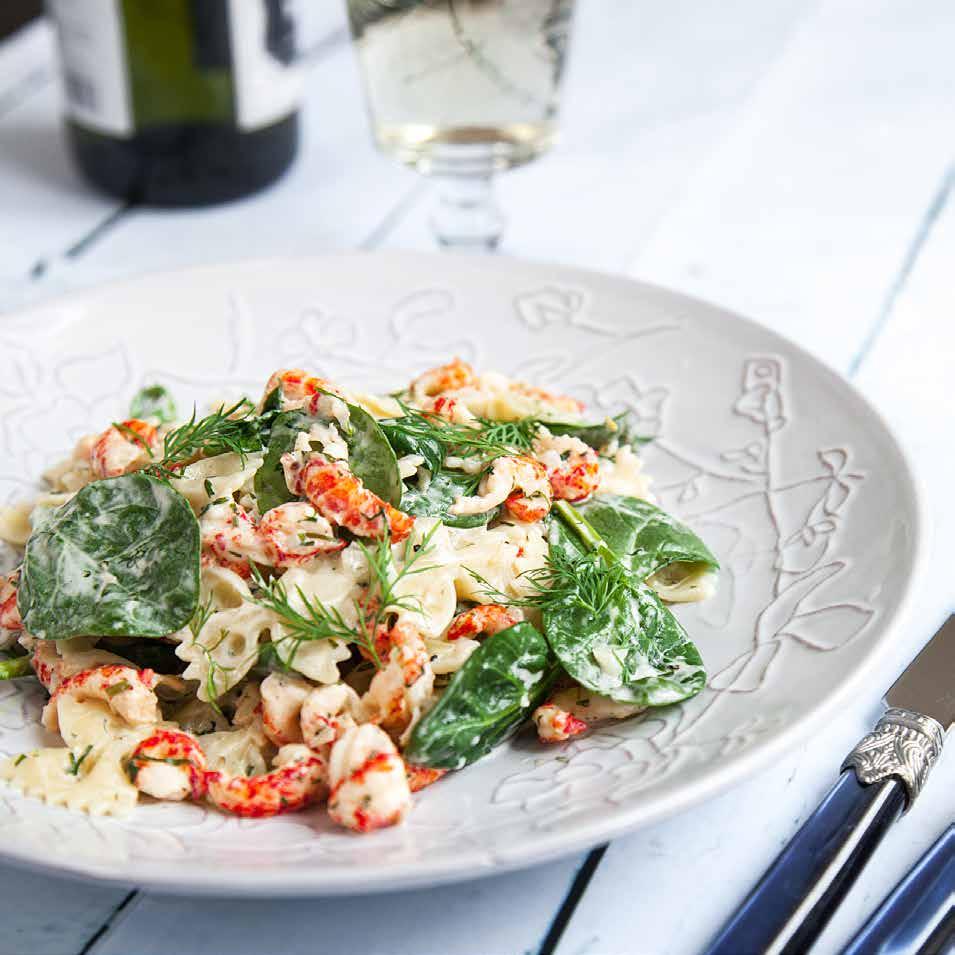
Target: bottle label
[
  {"x": 267, "y": 81},
  {"x": 251, "y": 50},
  {"x": 93, "y": 58}
]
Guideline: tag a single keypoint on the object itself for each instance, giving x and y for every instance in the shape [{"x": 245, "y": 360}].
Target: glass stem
[{"x": 466, "y": 216}]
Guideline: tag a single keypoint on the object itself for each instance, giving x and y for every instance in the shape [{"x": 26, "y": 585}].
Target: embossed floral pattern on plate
[{"x": 787, "y": 473}]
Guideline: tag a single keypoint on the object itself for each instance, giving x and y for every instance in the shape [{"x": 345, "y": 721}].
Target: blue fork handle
[
  {"x": 791, "y": 904},
  {"x": 916, "y": 907}
]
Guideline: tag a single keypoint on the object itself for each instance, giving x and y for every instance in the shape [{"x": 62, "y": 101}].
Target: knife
[{"x": 881, "y": 778}]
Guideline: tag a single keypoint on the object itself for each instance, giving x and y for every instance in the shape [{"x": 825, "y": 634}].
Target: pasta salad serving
[{"x": 339, "y": 596}]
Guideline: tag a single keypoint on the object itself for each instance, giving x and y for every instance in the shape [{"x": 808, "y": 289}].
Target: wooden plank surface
[
  {"x": 907, "y": 373},
  {"x": 504, "y": 914},
  {"x": 791, "y": 160},
  {"x": 44, "y": 205},
  {"x": 334, "y": 196},
  {"x": 42, "y": 915},
  {"x": 805, "y": 215},
  {"x": 811, "y": 216}
]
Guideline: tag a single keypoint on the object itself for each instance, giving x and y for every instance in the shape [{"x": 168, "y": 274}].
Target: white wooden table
[{"x": 791, "y": 160}]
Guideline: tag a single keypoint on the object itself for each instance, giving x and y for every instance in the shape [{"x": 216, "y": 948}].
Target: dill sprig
[
  {"x": 587, "y": 578},
  {"x": 77, "y": 762},
  {"x": 314, "y": 621},
  {"x": 213, "y": 668},
  {"x": 592, "y": 578},
  {"x": 517, "y": 435},
  {"x": 200, "y": 618},
  {"x": 310, "y": 619},
  {"x": 385, "y": 576},
  {"x": 484, "y": 438},
  {"x": 196, "y": 625},
  {"x": 584, "y": 577},
  {"x": 134, "y": 437},
  {"x": 232, "y": 429}
]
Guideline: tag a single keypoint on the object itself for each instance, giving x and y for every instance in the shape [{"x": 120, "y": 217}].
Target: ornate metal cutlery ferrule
[{"x": 904, "y": 744}]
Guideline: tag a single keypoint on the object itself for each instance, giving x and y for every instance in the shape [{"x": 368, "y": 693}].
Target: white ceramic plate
[{"x": 787, "y": 473}]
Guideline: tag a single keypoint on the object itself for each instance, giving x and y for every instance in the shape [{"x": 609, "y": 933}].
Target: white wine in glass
[{"x": 460, "y": 90}]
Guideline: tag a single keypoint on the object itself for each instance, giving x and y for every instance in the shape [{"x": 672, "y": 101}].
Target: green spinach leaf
[
  {"x": 610, "y": 631},
  {"x": 442, "y": 491},
  {"x": 644, "y": 537},
  {"x": 370, "y": 457},
  {"x": 153, "y": 401},
  {"x": 120, "y": 558},
  {"x": 272, "y": 402},
  {"x": 631, "y": 648},
  {"x": 415, "y": 435},
  {"x": 487, "y": 700},
  {"x": 269, "y": 481},
  {"x": 621, "y": 427}
]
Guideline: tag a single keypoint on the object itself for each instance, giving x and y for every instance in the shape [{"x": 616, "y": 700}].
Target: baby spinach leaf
[
  {"x": 644, "y": 537},
  {"x": 621, "y": 427},
  {"x": 120, "y": 558},
  {"x": 487, "y": 700},
  {"x": 269, "y": 481},
  {"x": 631, "y": 648},
  {"x": 370, "y": 456},
  {"x": 153, "y": 401},
  {"x": 272, "y": 402},
  {"x": 436, "y": 499},
  {"x": 412, "y": 435},
  {"x": 611, "y": 632}
]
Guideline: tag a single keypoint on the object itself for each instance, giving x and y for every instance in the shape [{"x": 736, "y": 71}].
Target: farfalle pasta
[{"x": 339, "y": 596}]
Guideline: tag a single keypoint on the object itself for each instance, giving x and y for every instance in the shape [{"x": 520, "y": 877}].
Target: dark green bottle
[{"x": 179, "y": 102}]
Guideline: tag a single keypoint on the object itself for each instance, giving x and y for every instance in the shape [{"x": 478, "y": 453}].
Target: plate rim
[{"x": 175, "y": 877}]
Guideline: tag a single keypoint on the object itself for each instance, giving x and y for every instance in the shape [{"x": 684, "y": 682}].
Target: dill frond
[
  {"x": 196, "y": 625},
  {"x": 484, "y": 438},
  {"x": 310, "y": 619},
  {"x": 76, "y": 763},
  {"x": 133, "y": 437},
  {"x": 200, "y": 618},
  {"x": 233, "y": 429},
  {"x": 586, "y": 578},
  {"x": 592, "y": 578},
  {"x": 518, "y": 434},
  {"x": 314, "y": 621}
]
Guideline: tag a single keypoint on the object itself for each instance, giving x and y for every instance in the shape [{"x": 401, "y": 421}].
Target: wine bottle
[{"x": 179, "y": 102}]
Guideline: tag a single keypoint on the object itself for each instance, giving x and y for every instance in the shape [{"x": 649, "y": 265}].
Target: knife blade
[
  {"x": 927, "y": 685},
  {"x": 881, "y": 777}
]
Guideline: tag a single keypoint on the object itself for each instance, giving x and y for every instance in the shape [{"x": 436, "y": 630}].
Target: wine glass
[{"x": 460, "y": 90}]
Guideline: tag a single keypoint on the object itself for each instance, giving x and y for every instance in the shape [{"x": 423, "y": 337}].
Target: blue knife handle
[
  {"x": 791, "y": 904},
  {"x": 909, "y": 915}
]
